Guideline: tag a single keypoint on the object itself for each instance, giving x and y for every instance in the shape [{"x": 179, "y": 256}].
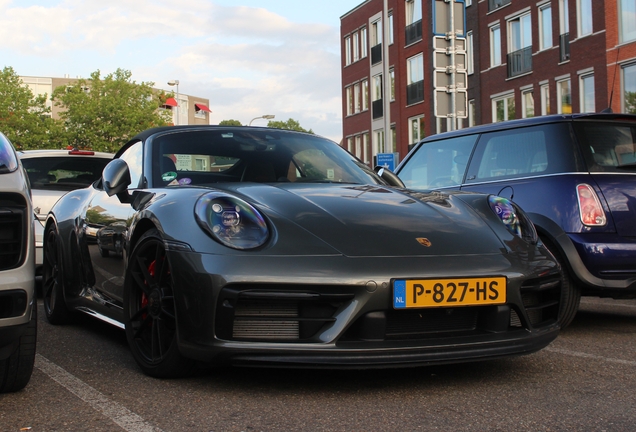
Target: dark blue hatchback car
[{"x": 575, "y": 176}]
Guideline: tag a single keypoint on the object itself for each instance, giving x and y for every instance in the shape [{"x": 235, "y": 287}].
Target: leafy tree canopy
[
  {"x": 24, "y": 118},
  {"x": 102, "y": 114},
  {"x": 230, "y": 123},
  {"x": 290, "y": 124}
]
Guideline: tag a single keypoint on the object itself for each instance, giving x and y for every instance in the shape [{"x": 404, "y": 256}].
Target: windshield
[
  {"x": 8, "y": 160},
  {"x": 607, "y": 147},
  {"x": 263, "y": 156},
  {"x": 63, "y": 173}
]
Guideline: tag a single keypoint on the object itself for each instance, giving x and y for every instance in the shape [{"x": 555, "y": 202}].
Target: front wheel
[
  {"x": 150, "y": 311},
  {"x": 15, "y": 370},
  {"x": 570, "y": 291}
]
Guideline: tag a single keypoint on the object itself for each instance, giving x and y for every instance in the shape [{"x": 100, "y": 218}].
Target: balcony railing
[
  {"x": 520, "y": 62},
  {"x": 415, "y": 93},
  {"x": 496, "y": 4},
  {"x": 376, "y": 54},
  {"x": 564, "y": 46},
  {"x": 377, "y": 106},
  {"x": 413, "y": 32}
]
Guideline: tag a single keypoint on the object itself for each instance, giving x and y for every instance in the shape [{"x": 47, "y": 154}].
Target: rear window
[
  {"x": 607, "y": 146},
  {"x": 63, "y": 173}
]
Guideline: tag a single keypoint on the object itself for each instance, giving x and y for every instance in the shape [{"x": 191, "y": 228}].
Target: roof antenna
[{"x": 609, "y": 109}]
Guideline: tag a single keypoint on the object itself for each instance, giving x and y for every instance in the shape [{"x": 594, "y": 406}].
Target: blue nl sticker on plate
[{"x": 399, "y": 294}]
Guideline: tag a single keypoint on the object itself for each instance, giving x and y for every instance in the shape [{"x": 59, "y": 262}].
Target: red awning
[
  {"x": 171, "y": 102},
  {"x": 201, "y": 107}
]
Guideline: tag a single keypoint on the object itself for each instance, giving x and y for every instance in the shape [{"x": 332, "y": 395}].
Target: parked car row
[{"x": 258, "y": 246}]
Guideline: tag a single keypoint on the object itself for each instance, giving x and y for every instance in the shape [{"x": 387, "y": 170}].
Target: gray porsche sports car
[{"x": 256, "y": 246}]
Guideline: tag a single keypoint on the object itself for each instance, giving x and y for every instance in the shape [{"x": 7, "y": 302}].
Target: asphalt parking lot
[{"x": 86, "y": 379}]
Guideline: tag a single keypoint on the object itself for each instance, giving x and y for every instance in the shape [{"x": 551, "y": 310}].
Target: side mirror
[
  {"x": 116, "y": 179},
  {"x": 389, "y": 176}
]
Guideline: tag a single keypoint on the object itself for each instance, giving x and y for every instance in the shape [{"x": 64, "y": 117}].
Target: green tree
[
  {"x": 630, "y": 102},
  {"x": 290, "y": 124},
  {"x": 102, "y": 114},
  {"x": 230, "y": 123},
  {"x": 24, "y": 118}
]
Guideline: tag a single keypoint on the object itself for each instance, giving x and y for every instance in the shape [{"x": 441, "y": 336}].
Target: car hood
[{"x": 378, "y": 221}]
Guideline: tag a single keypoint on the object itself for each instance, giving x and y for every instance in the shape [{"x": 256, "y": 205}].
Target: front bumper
[{"x": 334, "y": 311}]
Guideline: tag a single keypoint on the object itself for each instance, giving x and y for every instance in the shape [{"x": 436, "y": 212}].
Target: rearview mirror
[
  {"x": 389, "y": 176},
  {"x": 116, "y": 179}
]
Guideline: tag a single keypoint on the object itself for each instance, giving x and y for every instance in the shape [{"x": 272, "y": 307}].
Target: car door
[{"x": 105, "y": 230}]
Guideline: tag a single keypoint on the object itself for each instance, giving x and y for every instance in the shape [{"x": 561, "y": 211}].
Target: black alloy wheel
[
  {"x": 55, "y": 307},
  {"x": 149, "y": 311}
]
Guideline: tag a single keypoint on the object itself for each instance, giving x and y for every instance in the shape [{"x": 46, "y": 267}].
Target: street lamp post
[
  {"x": 176, "y": 83},
  {"x": 266, "y": 116}
]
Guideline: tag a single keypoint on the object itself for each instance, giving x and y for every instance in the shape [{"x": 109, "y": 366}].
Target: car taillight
[{"x": 592, "y": 213}]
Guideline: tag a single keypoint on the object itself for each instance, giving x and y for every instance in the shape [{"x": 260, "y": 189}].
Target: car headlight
[
  {"x": 231, "y": 221},
  {"x": 515, "y": 220}
]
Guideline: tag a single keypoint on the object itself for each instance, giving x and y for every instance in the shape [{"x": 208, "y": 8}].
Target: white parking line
[
  {"x": 590, "y": 356},
  {"x": 126, "y": 419}
]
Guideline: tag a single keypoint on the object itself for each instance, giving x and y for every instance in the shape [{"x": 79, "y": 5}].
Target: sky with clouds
[{"x": 248, "y": 58}]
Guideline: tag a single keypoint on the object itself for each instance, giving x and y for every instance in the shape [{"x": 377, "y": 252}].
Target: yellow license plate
[{"x": 425, "y": 293}]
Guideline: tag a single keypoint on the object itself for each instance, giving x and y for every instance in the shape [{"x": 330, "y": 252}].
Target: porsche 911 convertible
[{"x": 265, "y": 247}]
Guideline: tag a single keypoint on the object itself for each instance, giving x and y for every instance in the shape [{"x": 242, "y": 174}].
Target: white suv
[{"x": 18, "y": 307}]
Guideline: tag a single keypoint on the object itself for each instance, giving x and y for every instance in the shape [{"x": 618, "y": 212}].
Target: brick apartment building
[
  {"x": 192, "y": 109},
  {"x": 523, "y": 58}
]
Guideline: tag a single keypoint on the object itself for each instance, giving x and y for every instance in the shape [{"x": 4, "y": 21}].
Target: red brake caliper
[{"x": 144, "y": 297}]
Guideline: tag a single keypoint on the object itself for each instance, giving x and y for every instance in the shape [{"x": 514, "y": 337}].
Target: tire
[
  {"x": 150, "y": 312},
  {"x": 570, "y": 290},
  {"x": 55, "y": 308},
  {"x": 16, "y": 370}
]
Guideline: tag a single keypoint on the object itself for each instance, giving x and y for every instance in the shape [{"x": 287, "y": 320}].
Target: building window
[
  {"x": 416, "y": 129},
  {"x": 545, "y": 99},
  {"x": 471, "y": 113},
  {"x": 519, "y": 45},
  {"x": 365, "y": 95},
  {"x": 629, "y": 89},
  {"x": 496, "y": 4},
  {"x": 390, "y": 29},
  {"x": 584, "y": 17},
  {"x": 469, "y": 3},
  {"x": 503, "y": 108},
  {"x": 376, "y": 42},
  {"x": 392, "y": 74},
  {"x": 564, "y": 30},
  {"x": 527, "y": 102},
  {"x": 413, "y": 11},
  {"x": 378, "y": 141},
  {"x": 358, "y": 152},
  {"x": 564, "y": 93},
  {"x": 545, "y": 26},
  {"x": 350, "y": 145},
  {"x": 356, "y": 98},
  {"x": 627, "y": 22},
  {"x": 347, "y": 50},
  {"x": 495, "y": 45},
  {"x": 588, "y": 103},
  {"x": 470, "y": 60},
  {"x": 365, "y": 148},
  {"x": 356, "y": 47},
  {"x": 349, "y": 91},
  {"x": 376, "y": 97},
  {"x": 415, "y": 79},
  {"x": 363, "y": 43}
]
